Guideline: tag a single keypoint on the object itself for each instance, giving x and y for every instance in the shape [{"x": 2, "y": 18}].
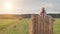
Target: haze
[{"x": 28, "y": 6}]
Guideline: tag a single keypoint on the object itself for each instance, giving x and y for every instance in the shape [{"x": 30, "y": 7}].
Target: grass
[
  {"x": 5, "y": 22},
  {"x": 24, "y": 25},
  {"x": 56, "y": 25},
  {"x": 24, "y": 28}
]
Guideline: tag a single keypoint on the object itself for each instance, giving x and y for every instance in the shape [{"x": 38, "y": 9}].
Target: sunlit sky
[{"x": 28, "y": 6}]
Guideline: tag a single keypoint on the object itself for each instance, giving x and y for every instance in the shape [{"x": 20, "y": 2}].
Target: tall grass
[
  {"x": 56, "y": 26},
  {"x": 24, "y": 26}
]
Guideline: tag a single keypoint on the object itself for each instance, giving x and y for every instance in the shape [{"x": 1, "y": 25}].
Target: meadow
[
  {"x": 14, "y": 26},
  {"x": 11, "y": 26},
  {"x": 56, "y": 26}
]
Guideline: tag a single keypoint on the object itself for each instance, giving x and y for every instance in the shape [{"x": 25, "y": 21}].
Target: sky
[{"x": 28, "y": 6}]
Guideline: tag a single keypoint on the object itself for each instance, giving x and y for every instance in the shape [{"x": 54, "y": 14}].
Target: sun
[{"x": 8, "y": 5}]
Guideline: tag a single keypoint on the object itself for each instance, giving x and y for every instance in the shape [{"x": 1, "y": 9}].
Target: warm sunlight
[{"x": 8, "y": 5}]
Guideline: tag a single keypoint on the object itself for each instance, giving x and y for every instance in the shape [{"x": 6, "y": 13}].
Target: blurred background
[{"x": 15, "y": 14}]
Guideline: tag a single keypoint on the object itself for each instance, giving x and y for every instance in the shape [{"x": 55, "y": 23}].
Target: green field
[
  {"x": 23, "y": 25},
  {"x": 56, "y": 26}
]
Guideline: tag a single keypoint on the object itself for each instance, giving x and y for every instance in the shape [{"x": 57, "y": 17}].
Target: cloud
[{"x": 33, "y": 6}]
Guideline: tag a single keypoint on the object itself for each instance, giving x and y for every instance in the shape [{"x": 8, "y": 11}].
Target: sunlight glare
[{"x": 8, "y": 5}]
